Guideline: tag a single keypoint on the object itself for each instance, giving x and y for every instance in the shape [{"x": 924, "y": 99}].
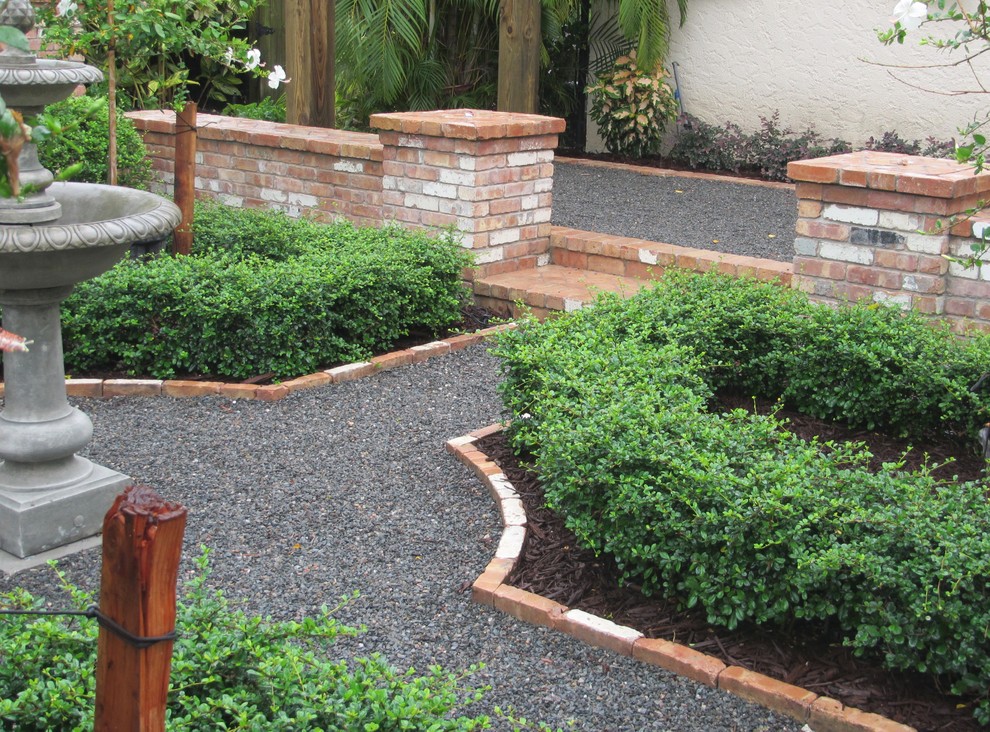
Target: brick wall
[
  {"x": 488, "y": 175},
  {"x": 880, "y": 226}
]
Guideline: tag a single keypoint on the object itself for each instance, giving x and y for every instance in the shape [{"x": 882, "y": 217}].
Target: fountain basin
[{"x": 97, "y": 226}]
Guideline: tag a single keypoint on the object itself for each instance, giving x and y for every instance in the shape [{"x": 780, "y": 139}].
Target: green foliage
[
  {"x": 765, "y": 151},
  {"x": 647, "y": 24},
  {"x": 155, "y": 42},
  {"x": 229, "y": 671},
  {"x": 88, "y": 142},
  {"x": 632, "y": 107},
  {"x": 890, "y": 141},
  {"x": 731, "y": 512},
  {"x": 264, "y": 293},
  {"x": 269, "y": 109}
]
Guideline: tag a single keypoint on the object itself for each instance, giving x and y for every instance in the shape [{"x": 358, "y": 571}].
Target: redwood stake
[
  {"x": 142, "y": 543},
  {"x": 185, "y": 176}
]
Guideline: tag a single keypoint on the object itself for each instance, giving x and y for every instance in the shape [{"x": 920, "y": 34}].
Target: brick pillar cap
[
  {"x": 884, "y": 171},
  {"x": 468, "y": 124}
]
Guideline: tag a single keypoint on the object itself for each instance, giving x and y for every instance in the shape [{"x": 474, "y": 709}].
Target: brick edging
[
  {"x": 671, "y": 173},
  {"x": 99, "y": 388},
  {"x": 821, "y": 713}
]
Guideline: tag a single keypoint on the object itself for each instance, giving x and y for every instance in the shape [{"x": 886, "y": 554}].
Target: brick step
[
  {"x": 584, "y": 263},
  {"x": 550, "y": 288},
  {"x": 628, "y": 257}
]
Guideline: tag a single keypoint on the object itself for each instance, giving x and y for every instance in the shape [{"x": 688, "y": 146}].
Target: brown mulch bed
[
  {"x": 655, "y": 161},
  {"x": 809, "y": 655}
]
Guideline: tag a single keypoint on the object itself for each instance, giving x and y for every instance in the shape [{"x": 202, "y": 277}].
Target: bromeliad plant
[{"x": 632, "y": 106}]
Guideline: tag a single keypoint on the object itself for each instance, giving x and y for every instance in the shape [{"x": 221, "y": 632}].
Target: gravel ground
[
  {"x": 349, "y": 487},
  {"x": 736, "y": 218}
]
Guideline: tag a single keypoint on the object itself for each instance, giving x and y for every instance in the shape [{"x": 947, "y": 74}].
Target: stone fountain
[{"x": 56, "y": 236}]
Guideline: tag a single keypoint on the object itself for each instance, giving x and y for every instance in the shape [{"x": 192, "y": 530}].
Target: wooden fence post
[
  {"x": 185, "y": 176},
  {"x": 142, "y": 543}
]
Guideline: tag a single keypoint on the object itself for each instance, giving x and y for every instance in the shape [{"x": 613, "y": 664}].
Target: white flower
[
  {"x": 229, "y": 55},
  {"x": 253, "y": 59},
  {"x": 909, "y": 14},
  {"x": 276, "y": 77},
  {"x": 66, "y": 7}
]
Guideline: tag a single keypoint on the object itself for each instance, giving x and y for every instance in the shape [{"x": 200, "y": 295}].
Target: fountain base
[{"x": 36, "y": 521}]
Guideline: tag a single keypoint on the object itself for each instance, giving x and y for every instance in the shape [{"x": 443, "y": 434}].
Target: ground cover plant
[
  {"x": 264, "y": 293},
  {"x": 229, "y": 671},
  {"x": 730, "y": 512}
]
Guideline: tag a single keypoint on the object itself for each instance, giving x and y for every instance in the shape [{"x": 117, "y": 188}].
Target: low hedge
[
  {"x": 264, "y": 293},
  {"x": 733, "y": 513}
]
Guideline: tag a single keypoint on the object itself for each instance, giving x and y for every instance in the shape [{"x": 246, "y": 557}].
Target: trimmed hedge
[
  {"x": 735, "y": 514},
  {"x": 264, "y": 293}
]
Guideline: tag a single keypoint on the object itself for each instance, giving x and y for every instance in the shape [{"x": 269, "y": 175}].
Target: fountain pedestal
[{"x": 49, "y": 496}]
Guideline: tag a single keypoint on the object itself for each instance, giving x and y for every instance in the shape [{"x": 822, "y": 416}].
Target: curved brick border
[
  {"x": 820, "y": 713},
  {"x": 272, "y": 392}
]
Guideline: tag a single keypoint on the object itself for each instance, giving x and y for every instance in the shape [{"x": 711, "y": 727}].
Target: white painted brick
[
  {"x": 851, "y": 214},
  {"x": 900, "y": 221},
  {"x": 347, "y": 368},
  {"x": 528, "y": 202},
  {"x": 543, "y": 185},
  {"x": 441, "y": 190},
  {"x": 901, "y": 301},
  {"x": 294, "y": 211},
  {"x": 390, "y": 183},
  {"x": 501, "y": 486},
  {"x": 457, "y": 177},
  {"x": 199, "y": 158},
  {"x": 489, "y": 255},
  {"x": 845, "y": 252},
  {"x": 424, "y": 203},
  {"x": 504, "y": 236},
  {"x": 570, "y": 305},
  {"x": 460, "y": 441},
  {"x": 601, "y": 625},
  {"x": 966, "y": 273},
  {"x": 543, "y": 260},
  {"x": 981, "y": 229},
  {"x": 926, "y": 243},
  {"x": 348, "y": 166},
  {"x": 270, "y": 194},
  {"x": 529, "y": 158},
  {"x": 513, "y": 513},
  {"x": 303, "y": 199},
  {"x": 647, "y": 257},
  {"x": 511, "y": 544},
  {"x": 407, "y": 141},
  {"x": 408, "y": 185},
  {"x": 233, "y": 201},
  {"x": 541, "y": 215},
  {"x": 467, "y": 162}
]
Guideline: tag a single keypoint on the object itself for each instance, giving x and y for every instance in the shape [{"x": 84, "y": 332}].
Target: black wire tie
[{"x": 104, "y": 621}]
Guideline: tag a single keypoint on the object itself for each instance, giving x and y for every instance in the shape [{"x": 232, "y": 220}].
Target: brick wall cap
[
  {"x": 935, "y": 177},
  {"x": 468, "y": 124}
]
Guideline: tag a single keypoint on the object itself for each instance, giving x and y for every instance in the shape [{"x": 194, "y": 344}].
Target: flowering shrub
[{"x": 632, "y": 107}]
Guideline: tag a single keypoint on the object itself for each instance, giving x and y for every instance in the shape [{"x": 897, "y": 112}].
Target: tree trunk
[{"x": 142, "y": 543}]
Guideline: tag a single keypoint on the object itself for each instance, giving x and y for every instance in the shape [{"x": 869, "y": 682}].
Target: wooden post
[
  {"x": 310, "y": 94},
  {"x": 184, "y": 191},
  {"x": 142, "y": 543},
  {"x": 519, "y": 56}
]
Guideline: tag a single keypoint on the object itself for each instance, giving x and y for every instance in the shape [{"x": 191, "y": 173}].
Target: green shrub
[
  {"x": 632, "y": 107},
  {"x": 88, "y": 143},
  {"x": 735, "y": 514},
  {"x": 270, "y": 109},
  {"x": 229, "y": 671},
  {"x": 329, "y": 294}
]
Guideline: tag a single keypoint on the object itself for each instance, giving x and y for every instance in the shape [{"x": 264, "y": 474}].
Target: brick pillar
[
  {"x": 868, "y": 228},
  {"x": 487, "y": 174}
]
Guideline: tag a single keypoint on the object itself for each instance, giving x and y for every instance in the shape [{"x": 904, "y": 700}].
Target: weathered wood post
[
  {"x": 519, "y": 56},
  {"x": 310, "y": 97},
  {"x": 142, "y": 543},
  {"x": 185, "y": 176}
]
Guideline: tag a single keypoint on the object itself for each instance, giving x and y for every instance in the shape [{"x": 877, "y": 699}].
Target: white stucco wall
[{"x": 740, "y": 59}]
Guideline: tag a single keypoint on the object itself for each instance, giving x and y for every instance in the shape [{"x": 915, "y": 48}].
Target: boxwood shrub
[
  {"x": 264, "y": 293},
  {"x": 733, "y": 513}
]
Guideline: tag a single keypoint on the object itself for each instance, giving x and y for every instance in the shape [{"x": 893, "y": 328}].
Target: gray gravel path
[
  {"x": 735, "y": 218},
  {"x": 349, "y": 487}
]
